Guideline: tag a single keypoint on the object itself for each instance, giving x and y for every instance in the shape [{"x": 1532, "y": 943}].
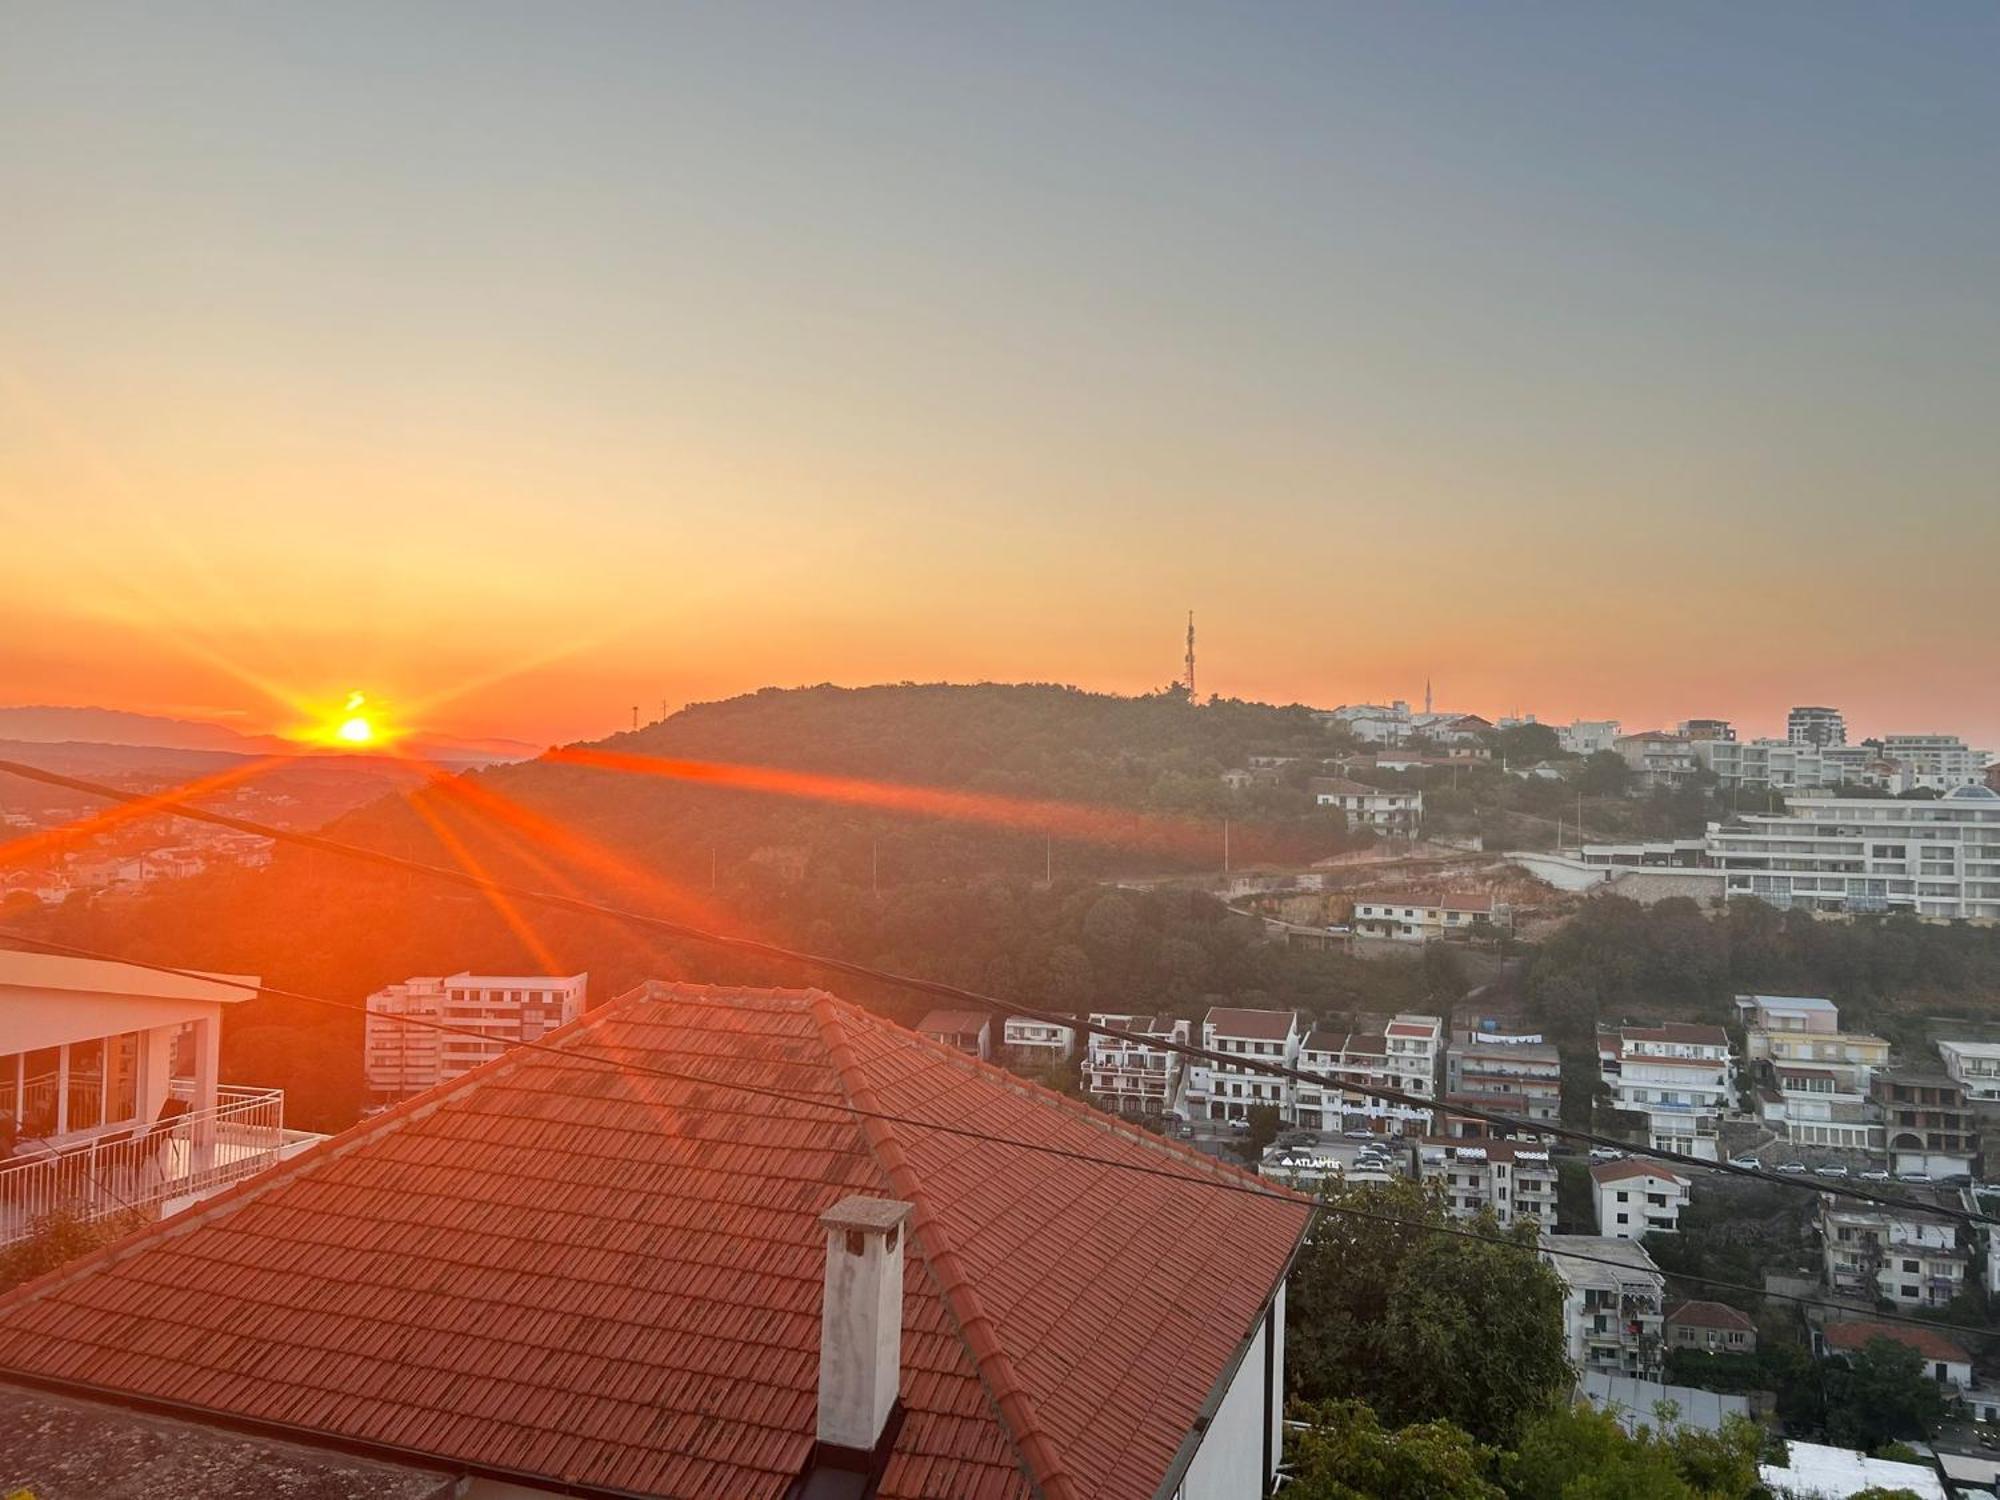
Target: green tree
[
  {"x": 1345, "y": 1453},
  {"x": 1263, "y": 1121},
  {"x": 1880, "y": 1393},
  {"x": 1419, "y": 1324},
  {"x": 58, "y": 1238},
  {"x": 1580, "y": 1453},
  {"x": 1604, "y": 774}
]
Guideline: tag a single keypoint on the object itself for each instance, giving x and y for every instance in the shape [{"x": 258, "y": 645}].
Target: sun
[{"x": 355, "y": 731}]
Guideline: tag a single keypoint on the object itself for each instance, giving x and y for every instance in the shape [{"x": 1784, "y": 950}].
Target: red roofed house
[
  {"x": 1635, "y": 1198},
  {"x": 1682, "y": 1077},
  {"x": 967, "y": 1031},
  {"x": 1229, "y": 1091},
  {"x": 1711, "y": 1327},
  {"x": 766, "y": 1275},
  {"x": 1946, "y": 1362}
]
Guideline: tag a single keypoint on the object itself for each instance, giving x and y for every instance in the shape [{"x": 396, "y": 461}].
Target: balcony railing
[{"x": 143, "y": 1167}]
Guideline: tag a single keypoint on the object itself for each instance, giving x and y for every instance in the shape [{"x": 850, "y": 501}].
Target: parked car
[
  {"x": 1359, "y": 1135},
  {"x": 1875, "y": 1174},
  {"x": 1914, "y": 1176},
  {"x": 1606, "y": 1153},
  {"x": 1832, "y": 1169},
  {"x": 1240, "y": 1126},
  {"x": 1745, "y": 1161},
  {"x": 1791, "y": 1166}
]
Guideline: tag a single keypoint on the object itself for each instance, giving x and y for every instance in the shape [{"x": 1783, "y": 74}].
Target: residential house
[
  {"x": 1402, "y": 1056},
  {"x": 1711, "y": 1328},
  {"x": 403, "y": 1056},
  {"x": 1397, "y": 812},
  {"x": 1928, "y": 1122},
  {"x": 1813, "y": 1077},
  {"x": 1522, "y": 1078},
  {"x": 1945, "y": 1359},
  {"x": 1637, "y": 1198},
  {"x": 1975, "y": 1067},
  {"x": 967, "y": 1031},
  {"x": 527, "y": 1281},
  {"x": 1139, "y": 1074},
  {"x": 110, "y": 1091},
  {"x": 1030, "y": 1042},
  {"x": 1907, "y": 1256},
  {"x": 1513, "y": 1180},
  {"x": 1424, "y": 919},
  {"x": 1658, "y": 759},
  {"x": 1679, "y": 1076},
  {"x": 1230, "y": 1090},
  {"x": 1612, "y": 1295},
  {"x": 1588, "y": 736}
]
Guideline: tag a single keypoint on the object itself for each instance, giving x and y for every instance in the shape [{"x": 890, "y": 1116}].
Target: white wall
[{"x": 1229, "y": 1463}]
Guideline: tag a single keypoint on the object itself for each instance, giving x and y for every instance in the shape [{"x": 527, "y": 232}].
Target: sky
[{"x": 517, "y": 364}]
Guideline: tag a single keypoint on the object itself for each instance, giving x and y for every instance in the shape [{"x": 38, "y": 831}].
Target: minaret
[
  {"x": 1427, "y": 697},
  {"x": 1190, "y": 657}
]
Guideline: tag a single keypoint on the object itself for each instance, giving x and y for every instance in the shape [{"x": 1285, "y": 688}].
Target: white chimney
[{"x": 861, "y": 1322}]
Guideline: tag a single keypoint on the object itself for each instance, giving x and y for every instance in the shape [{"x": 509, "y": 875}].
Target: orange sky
[{"x": 1589, "y": 363}]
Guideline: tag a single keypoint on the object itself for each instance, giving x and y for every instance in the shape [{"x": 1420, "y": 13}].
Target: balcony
[{"x": 185, "y": 1154}]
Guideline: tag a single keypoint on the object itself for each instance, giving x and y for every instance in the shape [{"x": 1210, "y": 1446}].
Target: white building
[
  {"x": 1903, "y": 1255},
  {"x": 1774, "y": 765},
  {"x": 1788, "y": 1013},
  {"x": 1374, "y": 723},
  {"x": 1934, "y": 762},
  {"x": 1817, "y": 1471},
  {"x": 1402, "y": 1056},
  {"x": 1935, "y": 858},
  {"x": 402, "y": 1059},
  {"x": 1424, "y": 920},
  {"x": 109, "y": 1091},
  {"x": 1636, "y": 1198},
  {"x": 1611, "y": 1312},
  {"x": 1813, "y": 1077},
  {"x": 1945, "y": 1360},
  {"x": 1680, "y": 1076},
  {"x": 1816, "y": 726},
  {"x": 1975, "y": 1066},
  {"x": 1588, "y": 736},
  {"x": 1141, "y": 1076},
  {"x": 1514, "y": 1180},
  {"x": 1030, "y": 1042},
  {"x": 1395, "y": 811},
  {"x": 1520, "y": 1076},
  {"x": 1658, "y": 759},
  {"x": 1229, "y": 1091}
]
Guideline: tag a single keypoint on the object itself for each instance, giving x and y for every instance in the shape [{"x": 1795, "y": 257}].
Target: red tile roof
[
  {"x": 1254, "y": 1025},
  {"x": 1678, "y": 1031},
  {"x": 609, "y": 1279},
  {"x": 1711, "y": 1315},
  {"x": 1618, "y": 1171},
  {"x": 1848, "y": 1337},
  {"x": 954, "y": 1022}
]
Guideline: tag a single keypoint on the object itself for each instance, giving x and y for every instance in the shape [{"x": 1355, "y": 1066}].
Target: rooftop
[
  {"x": 1619, "y": 1171},
  {"x": 1847, "y": 1337},
  {"x": 1677, "y": 1031},
  {"x": 562, "y": 1274},
  {"x": 50, "y": 971},
  {"x": 953, "y": 1022},
  {"x": 1252, "y": 1025},
  {"x": 1628, "y": 1256},
  {"x": 1711, "y": 1315}
]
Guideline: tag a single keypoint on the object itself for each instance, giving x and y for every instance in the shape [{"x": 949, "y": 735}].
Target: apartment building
[
  {"x": 1611, "y": 1312},
  {"x": 1028, "y": 1042},
  {"x": 1425, "y": 920},
  {"x": 1903, "y": 1255},
  {"x": 1816, "y": 726},
  {"x": 1774, "y": 765},
  {"x": 1928, "y": 1122},
  {"x": 1705, "y": 729},
  {"x": 1936, "y": 858},
  {"x": 1818, "y": 1107},
  {"x": 1588, "y": 736},
  {"x": 1791, "y": 1014},
  {"x": 1230, "y": 1090},
  {"x": 1513, "y": 1180},
  {"x": 1397, "y": 812},
  {"x": 1935, "y": 762},
  {"x": 1975, "y": 1067},
  {"x": 1711, "y": 1328},
  {"x": 1139, "y": 1076},
  {"x": 505, "y": 1009},
  {"x": 1637, "y": 1198},
  {"x": 1679, "y": 1076},
  {"x": 1658, "y": 758},
  {"x": 1402, "y": 1056},
  {"x": 1504, "y": 1075}
]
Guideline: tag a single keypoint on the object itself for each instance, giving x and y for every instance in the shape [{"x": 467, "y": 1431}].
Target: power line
[
  {"x": 1215, "y": 1178},
  {"x": 160, "y": 804}
]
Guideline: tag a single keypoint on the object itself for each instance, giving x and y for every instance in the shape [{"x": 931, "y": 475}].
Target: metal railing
[{"x": 144, "y": 1166}]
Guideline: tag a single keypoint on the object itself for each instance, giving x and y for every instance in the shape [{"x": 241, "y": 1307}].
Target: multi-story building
[
  {"x": 1975, "y": 1066},
  {"x": 1816, "y": 726},
  {"x": 1514, "y": 1180},
  {"x": 1230, "y": 1090},
  {"x": 1928, "y": 1123},
  {"x": 967, "y": 1031},
  {"x": 1611, "y": 1312},
  {"x": 1786, "y": 1013},
  {"x": 1588, "y": 736},
  {"x": 1402, "y": 1056},
  {"x": 1903, "y": 1255},
  {"x": 1934, "y": 762},
  {"x": 1711, "y": 1328},
  {"x": 1139, "y": 1075},
  {"x": 1769, "y": 765},
  {"x": 1395, "y": 811},
  {"x": 1813, "y": 1077},
  {"x": 1506, "y": 1076},
  {"x": 1423, "y": 920},
  {"x": 1679, "y": 1076},
  {"x": 1028, "y": 1042},
  {"x": 1819, "y": 1107},
  {"x": 1937, "y": 858},
  {"x": 1637, "y": 1198},
  {"x": 1706, "y": 729},
  {"x": 1658, "y": 759},
  {"x": 504, "y": 1009}
]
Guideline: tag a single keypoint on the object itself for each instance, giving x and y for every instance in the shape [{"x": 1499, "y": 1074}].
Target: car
[
  {"x": 1242, "y": 1127},
  {"x": 1832, "y": 1169},
  {"x": 1606, "y": 1153},
  {"x": 1791, "y": 1166},
  {"x": 1875, "y": 1174},
  {"x": 1750, "y": 1162},
  {"x": 1360, "y": 1135},
  {"x": 1913, "y": 1176}
]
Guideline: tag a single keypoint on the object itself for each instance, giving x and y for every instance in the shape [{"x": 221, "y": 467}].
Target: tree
[
  {"x": 1346, "y": 1454},
  {"x": 1580, "y": 1453},
  {"x": 1604, "y": 774},
  {"x": 58, "y": 1238},
  {"x": 1879, "y": 1393},
  {"x": 1420, "y": 1324},
  {"x": 1263, "y": 1122},
  {"x": 1524, "y": 744}
]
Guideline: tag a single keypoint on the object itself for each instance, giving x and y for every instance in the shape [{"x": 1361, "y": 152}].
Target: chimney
[{"x": 861, "y": 1321}]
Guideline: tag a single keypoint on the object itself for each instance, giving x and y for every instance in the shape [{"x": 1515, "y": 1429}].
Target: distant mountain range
[{"x": 47, "y": 725}]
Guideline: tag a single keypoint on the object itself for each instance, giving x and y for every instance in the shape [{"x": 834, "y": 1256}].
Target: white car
[
  {"x": 1746, "y": 1161},
  {"x": 1875, "y": 1174},
  {"x": 1606, "y": 1153},
  {"x": 1834, "y": 1170},
  {"x": 1914, "y": 1176},
  {"x": 1791, "y": 1166}
]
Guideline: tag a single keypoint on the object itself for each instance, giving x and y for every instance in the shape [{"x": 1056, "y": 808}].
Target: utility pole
[
  {"x": 1190, "y": 656},
  {"x": 1225, "y": 846},
  {"x": 635, "y": 716}
]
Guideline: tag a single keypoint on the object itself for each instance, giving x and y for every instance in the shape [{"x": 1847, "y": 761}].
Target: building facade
[
  {"x": 1521, "y": 1078},
  {"x": 1028, "y": 1042},
  {"x": 1139, "y": 1075},
  {"x": 1230, "y": 1090},
  {"x": 1816, "y": 726},
  {"x": 1636, "y": 1198},
  {"x": 1681, "y": 1077},
  {"x": 1905, "y": 1256},
  {"x": 1975, "y": 1066},
  {"x": 1928, "y": 1123},
  {"x": 1711, "y": 1328},
  {"x": 1402, "y": 1056},
  {"x": 1397, "y": 812},
  {"x": 504, "y": 1009},
  {"x": 1515, "y": 1181},
  {"x": 1424, "y": 921},
  {"x": 1612, "y": 1315}
]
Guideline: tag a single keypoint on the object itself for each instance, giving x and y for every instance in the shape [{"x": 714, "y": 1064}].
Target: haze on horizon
[{"x": 523, "y": 364}]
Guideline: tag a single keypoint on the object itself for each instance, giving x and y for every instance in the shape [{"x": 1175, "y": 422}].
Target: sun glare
[{"x": 356, "y": 731}]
